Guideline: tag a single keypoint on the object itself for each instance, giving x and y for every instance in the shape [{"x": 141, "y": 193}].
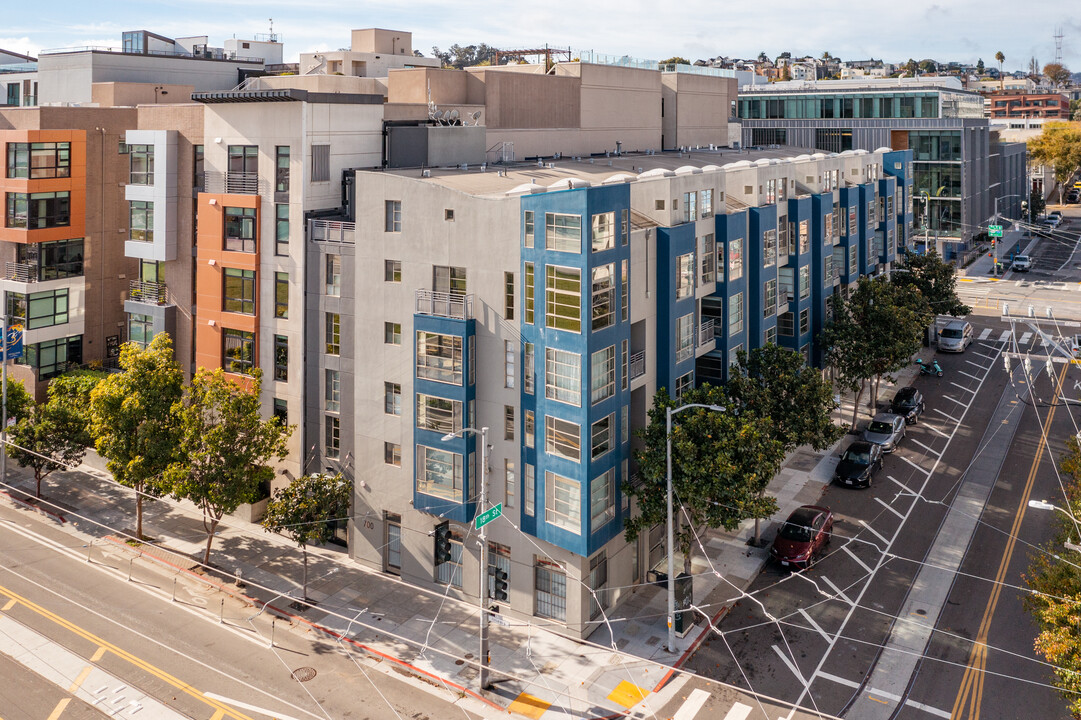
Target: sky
[{"x": 959, "y": 30}]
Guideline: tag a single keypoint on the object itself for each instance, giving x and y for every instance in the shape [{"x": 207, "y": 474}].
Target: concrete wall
[
  {"x": 327, "y": 84},
  {"x": 378, "y": 40},
  {"x": 696, "y": 109},
  {"x": 114, "y": 94}
]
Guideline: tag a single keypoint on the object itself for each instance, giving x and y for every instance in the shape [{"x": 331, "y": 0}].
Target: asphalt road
[
  {"x": 812, "y": 638},
  {"x": 24, "y": 695}
]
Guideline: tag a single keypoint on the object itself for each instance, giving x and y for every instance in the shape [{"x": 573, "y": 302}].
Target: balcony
[
  {"x": 332, "y": 231},
  {"x": 21, "y": 272},
  {"x": 152, "y": 293},
  {"x": 447, "y": 305},
  {"x": 638, "y": 364},
  {"x": 705, "y": 332},
  {"x": 236, "y": 183}
]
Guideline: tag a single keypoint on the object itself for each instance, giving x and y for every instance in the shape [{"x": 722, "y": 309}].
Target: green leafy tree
[
  {"x": 721, "y": 463},
  {"x": 225, "y": 447},
  {"x": 53, "y": 436},
  {"x": 306, "y": 509},
  {"x": 1000, "y": 58},
  {"x": 1036, "y": 205},
  {"x": 20, "y": 402},
  {"x": 936, "y": 281},
  {"x": 676, "y": 60},
  {"x": 1057, "y": 73},
  {"x": 132, "y": 420},
  {"x": 979, "y": 67},
  {"x": 1059, "y": 145},
  {"x": 911, "y": 68},
  {"x": 75, "y": 388}
]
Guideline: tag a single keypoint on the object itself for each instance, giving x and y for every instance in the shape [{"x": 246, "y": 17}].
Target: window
[
  {"x": 198, "y": 179},
  {"x": 709, "y": 258},
  {"x": 603, "y": 233},
  {"x": 783, "y": 248},
  {"x": 602, "y": 374},
  {"x": 140, "y": 329},
  {"x": 38, "y": 210},
  {"x": 624, "y": 227},
  {"x": 39, "y": 160},
  {"x": 238, "y": 295},
  {"x": 392, "y": 333},
  {"x": 735, "y": 314},
  {"x": 281, "y": 295},
  {"x": 333, "y": 334},
  {"x": 782, "y": 186},
  {"x": 529, "y": 232},
  {"x": 658, "y": 205},
  {"x": 835, "y": 219},
  {"x": 602, "y": 499},
  {"x": 450, "y": 280},
  {"x": 707, "y": 203},
  {"x": 527, "y": 368},
  {"x": 771, "y": 191},
  {"x": 563, "y": 298},
  {"x": 508, "y": 422},
  {"x": 735, "y": 259},
  {"x": 690, "y": 206},
  {"x": 509, "y": 371},
  {"x": 243, "y": 159},
  {"x": 827, "y": 268},
  {"x": 804, "y": 236},
  {"x": 870, "y": 213},
  {"x": 623, "y": 375},
  {"x": 563, "y": 502},
  {"x": 683, "y": 385},
  {"x": 281, "y": 169},
  {"x": 624, "y": 291},
  {"x": 550, "y": 590},
  {"x": 141, "y": 165},
  {"x": 563, "y": 376},
  {"x": 562, "y": 438},
  {"x": 281, "y": 230},
  {"x": 332, "y": 392},
  {"x": 769, "y": 292},
  {"x": 684, "y": 276},
  {"x": 529, "y": 428},
  {"x": 450, "y": 572},
  {"x": 684, "y": 337},
  {"x": 334, "y": 275},
  {"x": 393, "y": 214},
  {"x": 804, "y": 321},
  {"x": 392, "y": 455},
  {"x": 563, "y": 232},
  {"x": 53, "y": 357},
  {"x": 527, "y": 290},
  {"x": 853, "y": 259},
  {"x": 392, "y": 398},
  {"x": 238, "y": 351},
  {"x": 281, "y": 358},
  {"x": 827, "y": 229},
  {"x": 141, "y": 221},
  {"x": 769, "y": 248},
  {"x": 624, "y": 426},
  {"x": 771, "y": 335},
  {"x": 508, "y": 295},
  {"x": 604, "y": 297},
  {"x": 439, "y": 473},
  {"x": 439, "y": 357},
  {"x": 38, "y": 310},
  {"x": 786, "y": 325},
  {"x": 438, "y": 414},
  {"x": 240, "y": 229},
  {"x": 321, "y": 163},
  {"x": 805, "y": 282},
  {"x": 392, "y": 271},
  {"x": 281, "y": 411},
  {"x": 601, "y": 437},
  {"x": 53, "y": 260},
  {"x": 528, "y": 489},
  {"x": 733, "y": 355},
  {"x": 510, "y": 483}
]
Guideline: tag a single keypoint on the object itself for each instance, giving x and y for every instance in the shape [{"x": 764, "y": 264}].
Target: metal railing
[
  {"x": 705, "y": 332},
  {"x": 638, "y": 364},
  {"x": 441, "y": 304},
  {"x": 239, "y": 183},
  {"x": 21, "y": 272},
  {"x": 153, "y": 293},
  {"x": 332, "y": 231}
]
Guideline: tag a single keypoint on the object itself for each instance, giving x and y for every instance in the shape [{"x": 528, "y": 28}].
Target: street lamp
[
  {"x": 669, "y": 412},
  {"x": 994, "y": 267},
  {"x": 482, "y": 597},
  {"x": 1044, "y": 505}
]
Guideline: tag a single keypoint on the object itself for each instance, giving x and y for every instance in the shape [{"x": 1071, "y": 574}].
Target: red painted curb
[{"x": 55, "y": 516}]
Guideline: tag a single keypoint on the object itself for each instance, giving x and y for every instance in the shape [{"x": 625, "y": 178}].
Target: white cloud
[{"x": 22, "y": 45}]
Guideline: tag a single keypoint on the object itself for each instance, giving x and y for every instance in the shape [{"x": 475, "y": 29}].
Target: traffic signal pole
[{"x": 482, "y": 599}]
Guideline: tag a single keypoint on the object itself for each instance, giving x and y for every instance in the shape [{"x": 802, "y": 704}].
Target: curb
[{"x": 30, "y": 506}]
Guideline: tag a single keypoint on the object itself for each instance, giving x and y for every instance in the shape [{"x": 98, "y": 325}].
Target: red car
[{"x": 803, "y": 536}]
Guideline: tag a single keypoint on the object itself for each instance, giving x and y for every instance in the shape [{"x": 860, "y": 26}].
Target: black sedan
[
  {"x": 908, "y": 403},
  {"x": 858, "y": 464}
]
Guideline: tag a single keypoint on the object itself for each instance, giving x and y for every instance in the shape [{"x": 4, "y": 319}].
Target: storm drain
[{"x": 303, "y": 674}]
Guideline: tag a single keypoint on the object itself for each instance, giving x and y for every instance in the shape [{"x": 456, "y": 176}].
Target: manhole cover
[{"x": 303, "y": 674}]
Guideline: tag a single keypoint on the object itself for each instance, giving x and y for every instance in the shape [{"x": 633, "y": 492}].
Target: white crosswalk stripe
[
  {"x": 694, "y": 703},
  {"x": 1025, "y": 338},
  {"x": 985, "y": 334},
  {"x": 1004, "y": 336}
]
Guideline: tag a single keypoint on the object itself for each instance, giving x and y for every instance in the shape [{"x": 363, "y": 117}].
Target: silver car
[{"x": 886, "y": 429}]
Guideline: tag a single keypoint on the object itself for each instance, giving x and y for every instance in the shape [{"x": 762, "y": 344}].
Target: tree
[
  {"x": 132, "y": 420},
  {"x": 676, "y": 60},
  {"x": 762, "y": 57},
  {"x": 928, "y": 66},
  {"x": 1075, "y": 110},
  {"x": 1059, "y": 145},
  {"x": 1000, "y": 58},
  {"x": 306, "y": 510},
  {"x": 936, "y": 281},
  {"x": 53, "y": 436},
  {"x": 979, "y": 67},
  {"x": 1057, "y": 73},
  {"x": 1036, "y": 205},
  {"x": 19, "y": 404},
  {"x": 460, "y": 57},
  {"x": 721, "y": 463},
  {"x": 75, "y": 388},
  {"x": 911, "y": 68},
  {"x": 775, "y": 383},
  {"x": 225, "y": 447},
  {"x": 1033, "y": 69}
]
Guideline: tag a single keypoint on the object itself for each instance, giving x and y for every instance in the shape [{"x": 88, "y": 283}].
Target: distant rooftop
[
  {"x": 936, "y": 82},
  {"x": 595, "y": 58}
]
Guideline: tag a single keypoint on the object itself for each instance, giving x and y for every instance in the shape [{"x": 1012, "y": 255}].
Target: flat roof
[{"x": 286, "y": 95}]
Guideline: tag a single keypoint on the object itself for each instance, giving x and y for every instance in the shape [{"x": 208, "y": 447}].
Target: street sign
[
  {"x": 994, "y": 231},
  {"x": 487, "y": 516}
]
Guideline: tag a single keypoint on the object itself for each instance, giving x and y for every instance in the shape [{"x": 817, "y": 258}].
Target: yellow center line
[
  {"x": 223, "y": 710},
  {"x": 59, "y": 709},
  {"x": 971, "y": 690}
]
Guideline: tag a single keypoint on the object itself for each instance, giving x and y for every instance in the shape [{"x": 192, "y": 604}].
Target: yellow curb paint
[
  {"x": 627, "y": 694},
  {"x": 59, "y": 709},
  {"x": 9, "y": 604},
  {"x": 98, "y": 654},
  {"x": 81, "y": 679},
  {"x": 528, "y": 705}
]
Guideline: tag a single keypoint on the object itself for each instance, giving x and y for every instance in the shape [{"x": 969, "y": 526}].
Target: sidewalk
[
  {"x": 427, "y": 636},
  {"x": 1010, "y": 244}
]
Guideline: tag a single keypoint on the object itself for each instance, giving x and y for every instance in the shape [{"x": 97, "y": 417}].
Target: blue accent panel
[
  {"x": 736, "y": 226},
  {"x": 799, "y": 210},
  {"x": 886, "y": 188},
  {"x": 464, "y": 445},
  {"x": 821, "y": 285},
  {"x": 850, "y": 204},
  {"x": 868, "y": 261},
  {"x": 898, "y": 164},
  {"x": 762, "y": 220},
  {"x": 672, "y": 242}
]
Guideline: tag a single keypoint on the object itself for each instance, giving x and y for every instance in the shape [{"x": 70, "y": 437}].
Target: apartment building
[{"x": 1013, "y": 104}]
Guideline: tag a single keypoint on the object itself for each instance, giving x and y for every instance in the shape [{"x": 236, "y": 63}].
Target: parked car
[
  {"x": 885, "y": 430},
  {"x": 858, "y": 464},
  {"x": 1073, "y": 195},
  {"x": 1021, "y": 263},
  {"x": 803, "y": 536},
  {"x": 1053, "y": 221},
  {"x": 955, "y": 337},
  {"x": 908, "y": 403}
]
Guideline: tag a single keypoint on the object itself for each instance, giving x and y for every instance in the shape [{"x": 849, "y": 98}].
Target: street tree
[
  {"x": 935, "y": 279},
  {"x": 676, "y": 60},
  {"x": 306, "y": 510},
  {"x": 132, "y": 420},
  {"x": 225, "y": 447},
  {"x": 1057, "y": 73},
  {"x": 911, "y": 68},
  {"x": 775, "y": 383},
  {"x": 54, "y": 436},
  {"x": 1000, "y": 58},
  {"x": 1059, "y": 145},
  {"x": 721, "y": 464},
  {"x": 19, "y": 403},
  {"x": 74, "y": 389},
  {"x": 979, "y": 67}
]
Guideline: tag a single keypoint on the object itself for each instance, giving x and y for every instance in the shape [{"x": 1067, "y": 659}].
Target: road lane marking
[
  {"x": 859, "y": 562},
  {"x": 1025, "y": 337},
  {"x": 901, "y": 484},
  {"x": 967, "y": 374},
  {"x": 981, "y": 367},
  {"x": 892, "y": 509},
  {"x": 1004, "y": 336},
  {"x": 953, "y": 399},
  {"x": 98, "y": 654},
  {"x": 836, "y": 590},
  {"x": 874, "y": 532},
  {"x": 933, "y": 429},
  {"x": 928, "y": 709},
  {"x": 816, "y": 626},
  {"x": 693, "y": 704},
  {"x": 839, "y": 680},
  {"x": 8, "y": 605},
  {"x": 946, "y": 415},
  {"x": 925, "y": 447},
  {"x": 914, "y": 465},
  {"x": 985, "y": 334},
  {"x": 59, "y": 709},
  {"x": 961, "y": 387},
  {"x": 253, "y": 708},
  {"x": 739, "y": 711},
  {"x": 791, "y": 665},
  {"x": 80, "y": 679}
]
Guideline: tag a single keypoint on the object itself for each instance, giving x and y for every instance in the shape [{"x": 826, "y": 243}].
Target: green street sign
[
  {"x": 488, "y": 515},
  {"x": 994, "y": 231}
]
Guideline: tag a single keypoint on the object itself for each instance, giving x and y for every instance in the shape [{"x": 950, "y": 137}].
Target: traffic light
[
  {"x": 499, "y": 591},
  {"x": 442, "y": 543}
]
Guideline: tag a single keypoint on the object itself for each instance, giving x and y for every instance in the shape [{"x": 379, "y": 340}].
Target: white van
[{"x": 955, "y": 337}]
